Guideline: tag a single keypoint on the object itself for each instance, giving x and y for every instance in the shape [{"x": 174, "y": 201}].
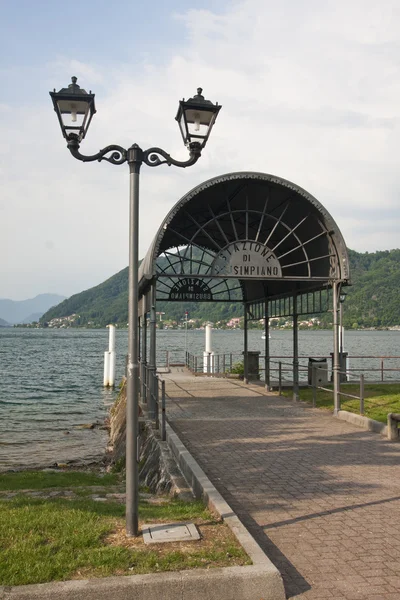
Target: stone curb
[
  {"x": 230, "y": 583},
  {"x": 259, "y": 581},
  {"x": 363, "y": 422}
]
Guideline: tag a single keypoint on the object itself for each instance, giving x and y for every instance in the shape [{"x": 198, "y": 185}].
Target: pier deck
[{"x": 320, "y": 496}]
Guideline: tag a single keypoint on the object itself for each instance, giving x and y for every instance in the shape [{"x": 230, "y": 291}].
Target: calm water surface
[{"x": 51, "y": 381}]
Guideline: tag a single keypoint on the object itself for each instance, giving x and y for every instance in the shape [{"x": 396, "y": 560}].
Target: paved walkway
[{"x": 321, "y": 496}]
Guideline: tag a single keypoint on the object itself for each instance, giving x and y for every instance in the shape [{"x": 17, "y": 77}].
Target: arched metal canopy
[{"x": 246, "y": 237}]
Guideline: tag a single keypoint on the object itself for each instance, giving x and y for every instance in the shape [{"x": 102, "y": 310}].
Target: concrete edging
[
  {"x": 363, "y": 422},
  {"x": 230, "y": 583}
]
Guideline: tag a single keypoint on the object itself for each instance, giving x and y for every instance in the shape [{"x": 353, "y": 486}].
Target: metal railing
[
  {"x": 151, "y": 389},
  {"x": 315, "y": 387},
  {"x": 213, "y": 364},
  {"x": 224, "y": 362},
  {"x": 367, "y": 362},
  {"x": 315, "y": 372}
]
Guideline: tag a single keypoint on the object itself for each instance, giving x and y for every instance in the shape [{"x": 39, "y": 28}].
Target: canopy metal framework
[{"x": 246, "y": 237}]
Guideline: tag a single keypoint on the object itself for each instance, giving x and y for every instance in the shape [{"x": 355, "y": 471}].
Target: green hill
[
  {"x": 372, "y": 301},
  {"x": 103, "y": 304}
]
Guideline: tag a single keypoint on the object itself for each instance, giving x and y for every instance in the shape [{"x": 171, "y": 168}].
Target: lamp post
[
  {"x": 342, "y": 298},
  {"x": 186, "y": 324},
  {"x": 75, "y": 109}
]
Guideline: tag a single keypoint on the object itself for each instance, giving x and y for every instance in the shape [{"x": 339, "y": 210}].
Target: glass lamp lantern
[
  {"x": 75, "y": 109},
  {"x": 196, "y": 118}
]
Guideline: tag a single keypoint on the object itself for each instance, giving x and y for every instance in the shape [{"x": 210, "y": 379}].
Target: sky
[{"x": 310, "y": 91}]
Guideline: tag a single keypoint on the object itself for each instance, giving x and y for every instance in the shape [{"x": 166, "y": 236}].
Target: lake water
[{"x": 51, "y": 381}]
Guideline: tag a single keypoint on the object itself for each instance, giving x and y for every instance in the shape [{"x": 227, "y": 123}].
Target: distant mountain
[
  {"x": 33, "y": 318},
  {"x": 4, "y": 323},
  {"x": 20, "y": 311}
]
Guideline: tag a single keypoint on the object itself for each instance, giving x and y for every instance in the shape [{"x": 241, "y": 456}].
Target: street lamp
[{"x": 196, "y": 117}]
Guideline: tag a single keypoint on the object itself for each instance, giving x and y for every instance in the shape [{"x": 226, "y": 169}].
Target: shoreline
[{"x": 77, "y": 463}]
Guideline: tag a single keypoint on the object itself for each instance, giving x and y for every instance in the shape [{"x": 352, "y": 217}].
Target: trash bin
[
  {"x": 321, "y": 371},
  {"x": 253, "y": 357}
]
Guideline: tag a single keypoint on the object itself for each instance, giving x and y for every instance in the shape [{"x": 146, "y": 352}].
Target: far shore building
[{"x": 235, "y": 322}]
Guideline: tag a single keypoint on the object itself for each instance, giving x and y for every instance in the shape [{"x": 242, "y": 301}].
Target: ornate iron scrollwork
[
  {"x": 118, "y": 156},
  {"x": 153, "y": 157}
]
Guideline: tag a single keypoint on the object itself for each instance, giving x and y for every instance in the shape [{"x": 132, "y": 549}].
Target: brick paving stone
[{"x": 321, "y": 496}]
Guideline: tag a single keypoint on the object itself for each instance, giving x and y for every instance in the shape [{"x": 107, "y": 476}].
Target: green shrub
[{"x": 238, "y": 369}]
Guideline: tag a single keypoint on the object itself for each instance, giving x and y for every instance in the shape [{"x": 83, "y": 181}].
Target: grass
[
  {"x": 55, "y": 539},
  {"x": 40, "y": 480},
  {"x": 380, "y": 399}
]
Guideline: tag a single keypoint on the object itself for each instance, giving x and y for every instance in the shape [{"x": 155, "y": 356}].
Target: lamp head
[
  {"x": 75, "y": 109},
  {"x": 196, "y": 118}
]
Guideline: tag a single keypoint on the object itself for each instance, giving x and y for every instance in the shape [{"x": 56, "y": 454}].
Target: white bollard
[
  {"x": 208, "y": 354},
  {"x": 208, "y": 362},
  {"x": 111, "y": 371},
  {"x": 110, "y": 359},
  {"x": 106, "y": 368},
  {"x": 111, "y": 339},
  {"x": 208, "y": 347}
]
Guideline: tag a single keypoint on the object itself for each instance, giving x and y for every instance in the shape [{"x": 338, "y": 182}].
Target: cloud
[{"x": 310, "y": 91}]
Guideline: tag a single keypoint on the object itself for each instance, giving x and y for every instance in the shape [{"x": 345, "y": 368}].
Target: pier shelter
[{"x": 252, "y": 238}]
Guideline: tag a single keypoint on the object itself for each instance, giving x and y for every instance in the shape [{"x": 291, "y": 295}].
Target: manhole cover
[{"x": 171, "y": 532}]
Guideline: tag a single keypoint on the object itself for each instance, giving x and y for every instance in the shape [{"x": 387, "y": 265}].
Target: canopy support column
[
  {"x": 296, "y": 396},
  {"x": 336, "y": 374},
  {"x": 246, "y": 347},
  {"x": 266, "y": 349}
]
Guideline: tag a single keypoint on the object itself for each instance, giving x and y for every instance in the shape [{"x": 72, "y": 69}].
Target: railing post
[
  {"x": 153, "y": 355},
  {"x": 381, "y": 369},
  {"x": 195, "y": 364},
  {"x": 230, "y": 362},
  {"x": 163, "y": 431},
  {"x": 143, "y": 382},
  {"x": 156, "y": 401},
  {"x": 145, "y": 399},
  {"x": 280, "y": 378},
  {"x": 223, "y": 364},
  {"x": 140, "y": 380},
  {"x": 314, "y": 386},
  {"x": 361, "y": 394}
]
